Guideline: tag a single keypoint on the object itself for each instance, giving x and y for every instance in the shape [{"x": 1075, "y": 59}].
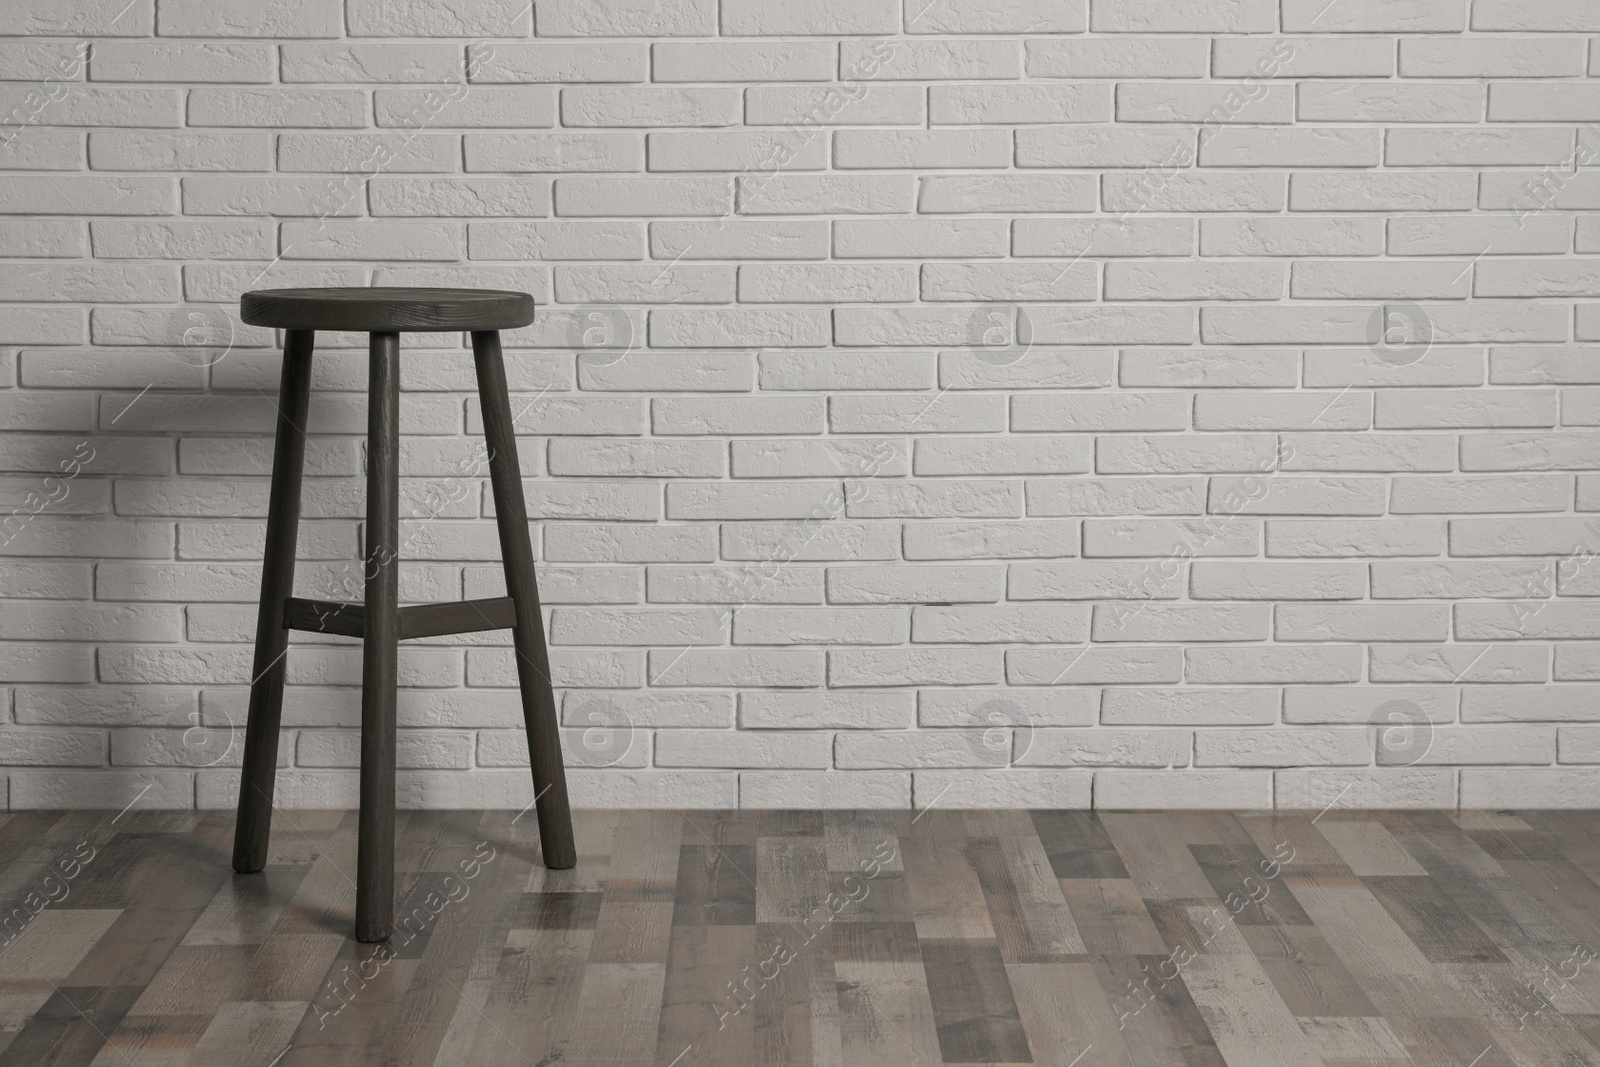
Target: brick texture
[{"x": 1126, "y": 403}]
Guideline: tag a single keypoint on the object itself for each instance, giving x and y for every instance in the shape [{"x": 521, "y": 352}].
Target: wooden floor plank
[
  {"x": 1251, "y": 1025},
  {"x": 55, "y": 943},
  {"x": 1368, "y": 848},
  {"x": 1383, "y": 961},
  {"x": 827, "y": 939},
  {"x": 1164, "y": 867},
  {"x": 885, "y": 1016},
  {"x": 946, "y": 894},
  {"x": 974, "y": 1011},
  {"x": 1308, "y": 975},
  {"x": 1111, "y": 917},
  {"x": 1065, "y": 1015}
]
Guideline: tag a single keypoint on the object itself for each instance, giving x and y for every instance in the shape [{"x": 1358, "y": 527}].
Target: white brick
[
  {"x": 930, "y": 60},
  {"x": 1194, "y": 280},
  {"x": 915, "y": 584},
  {"x": 470, "y": 196},
  {"x": 1007, "y": 539},
  {"x": 734, "y": 150},
  {"x": 1525, "y": 788},
  {"x": 1180, "y": 622},
  {"x": 865, "y": 668},
  {"x": 87, "y": 195},
  {"x": 808, "y": 109},
  {"x": 1447, "y": 146},
  {"x": 1303, "y": 747},
  {"x": 1413, "y": 580},
  {"x": 1354, "y": 537},
  {"x": 1209, "y": 103},
  {"x": 560, "y": 62},
  {"x": 1382, "y": 191},
  {"x": 942, "y": 149},
  {"x": 365, "y": 62},
  {"x": 1274, "y": 664},
  {"x": 1101, "y": 412},
  {"x": 277, "y": 107},
  {"x": 1372, "y": 16},
  {"x": 1256, "y": 146},
  {"x": 1035, "y": 368},
  {"x": 162, "y": 61},
  {"x": 762, "y": 283},
  {"x": 626, "y": 18},
  {"x": 747, "y": 18},
  {"x": 816, "y": 541},
  {"x": 1484, "y": 57},
  {"x": 1361, "y": 622},
  {"x": 239, "y": 18},
  {"x": 648, "y": 107},
  {"x": 1011, "y": 787},
  {"x": 1088, "y": 57},
  {"x": 1070, "y": 238},
  {"x": 1522, "y": 15},
  {"x": 1117, "y": 790},
  {"x": 1319, "y": 790},
  {"x": 1390, "y": 101},
  {"x": 1450, "y": 664},
  {"x": 558, "y": 151},
  {"x": 843, "y": 370},
  {"x": 1094, "y": 666},
  {"x": 1186, "y": 16},
  {"x": 555, "y": 239},
  {"x": 1303, "y": 57},
  {"x": 1001, "y": 624},
  {"x": 749, "y": 500},
  {"x": 1029, "y": 103},
  {"x": 1332, "y": 236},
  {"x": 1365, "y": 704},
  {"x": 996, "y": 16},
  {"x": 1122, "y": 706},
  {"x": 1277, "y": 581},
  {"x": 1116, "y": 496},
  {"x": 738, "y": 61},
  {"x": 739, "y": 239},
  {"x": 742, "y": 415},
  {"x": 1045, "y": 455},
  {"x": 808, "y": 194},
  {"x": 1189, "y": 191},
  {"x": 813, "y": 791},
  {"x": 774, "y": 581},
  {"x": 1167, "y": 147},
  {"x": 43, "y": 238},
  {"x": 1091, "y": 580},
  {"x": 738, "y": 328},
  {"x": 819, "y": 626}
]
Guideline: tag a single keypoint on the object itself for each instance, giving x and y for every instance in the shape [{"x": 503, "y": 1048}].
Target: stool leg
[
  {"x": 533, "y": 659},
  {"x": 380, "y": 648},
  {"x": 254, "y": 824}
]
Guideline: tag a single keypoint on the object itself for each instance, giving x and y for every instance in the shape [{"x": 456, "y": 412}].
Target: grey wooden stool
[{"x": 380, "y": 621}]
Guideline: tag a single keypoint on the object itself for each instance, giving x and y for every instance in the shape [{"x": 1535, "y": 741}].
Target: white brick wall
[{"x": 993, "y": 402}]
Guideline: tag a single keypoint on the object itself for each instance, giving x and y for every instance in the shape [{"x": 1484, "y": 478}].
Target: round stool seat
[{"x": 387, "y": 310}]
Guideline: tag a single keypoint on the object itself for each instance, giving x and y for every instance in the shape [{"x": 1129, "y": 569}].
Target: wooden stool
[{"x": 380, "y": 622}]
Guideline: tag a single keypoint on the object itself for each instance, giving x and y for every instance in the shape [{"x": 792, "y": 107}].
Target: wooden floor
[{"x": 874, "y": 938}]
